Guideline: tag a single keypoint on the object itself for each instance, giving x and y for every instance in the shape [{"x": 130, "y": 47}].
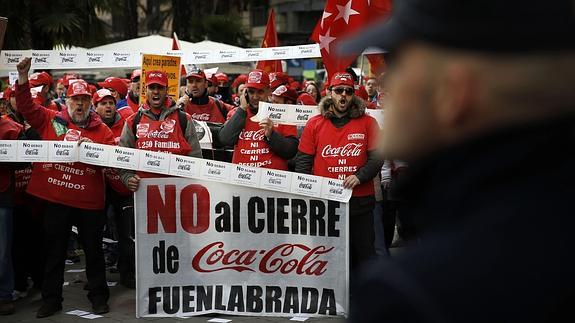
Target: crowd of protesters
[{"x": 110, "y": 112}]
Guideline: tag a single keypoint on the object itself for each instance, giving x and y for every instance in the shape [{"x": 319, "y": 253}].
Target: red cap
[
  {"x": 341, "y": 79},
  {"x": 115, "y": 83},
  {"x": 241, "y": 79},
  {"x": 305, "y": 99},
  {"x": 66, "y": 79},
  {"x": 100, "y": 95},
  {"x": 41, "y": 78},
  {"x": 79, "y": 87},
  {"x": 277, "y": 79},
  {"x": 212, "y": 79},
  {"x": 222, "y": 78},
  {"x": 258, "y": 79},
  {"x": 156, "y": 77},
  {"x": 283, "y": 91},
  {"x": 135, "y": 73},
  {"x": 295, "y": 85},
  {"x": 196, "y": 72}
]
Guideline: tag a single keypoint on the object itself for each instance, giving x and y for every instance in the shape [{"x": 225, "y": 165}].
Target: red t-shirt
[
  {"x": 208, "y": 112},
  {"x": 252, "y": 150},
  {"x": 340, "y": 152}
]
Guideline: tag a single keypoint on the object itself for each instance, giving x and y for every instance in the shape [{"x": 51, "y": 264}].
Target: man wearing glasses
[
  {"x": 262, "y": 144},
  {"x": 341, "y": 143}
]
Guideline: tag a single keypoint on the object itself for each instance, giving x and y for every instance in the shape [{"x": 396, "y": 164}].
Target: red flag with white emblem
[{"x": 341, "y": 18}]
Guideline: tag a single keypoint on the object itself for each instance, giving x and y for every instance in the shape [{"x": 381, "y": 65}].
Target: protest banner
[
  {"x": 287, "y": 114},
  {"x": 169, "y": 65},
  {"x": 206, "y": 247}
]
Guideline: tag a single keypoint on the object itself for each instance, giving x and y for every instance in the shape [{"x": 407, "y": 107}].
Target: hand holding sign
[{"x": 268, "y": 126}]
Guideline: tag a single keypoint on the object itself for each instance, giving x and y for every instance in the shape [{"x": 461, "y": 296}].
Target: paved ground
[{"x": 122, "y": 306}]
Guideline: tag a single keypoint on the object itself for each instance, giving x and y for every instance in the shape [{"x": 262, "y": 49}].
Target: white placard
[
  {"x": 184, "y": 166},
  {"x": 287, "y": 114},
  {"x": 308, "y": 185},
  {"x": 33, "y": 151},
  {"x": 94, "y": 154},
  {"x": 276, "y": 180},
  {"x": 126, "y": 158},
  {"x": 332, "y": 189},
  {"x": 62, "y": 151},
  {"x": 377, "y": 114},
  {"x": 43, "y": 58},
  {"x": 154, "y": 162},
  {"x": 245, "y": 175},
  {"x": 215, "y": 171},
  {"x": 8, "y": 150}
]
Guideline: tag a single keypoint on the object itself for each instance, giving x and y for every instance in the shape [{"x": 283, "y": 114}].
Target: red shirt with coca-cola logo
[
  {"x": 160, "y": 136},
  {"x": 208, "y": 112},
  {"x": 340, "y": 152},
  {"x": 77, "y": 185},
  {"x": 252, "y": 149}
]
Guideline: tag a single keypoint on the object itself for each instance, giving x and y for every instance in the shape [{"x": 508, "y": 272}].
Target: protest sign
[
  {"x": 287, "y": 114},
  {"x": 206, "y": 247},
  {"x": 169, "y": 65}
]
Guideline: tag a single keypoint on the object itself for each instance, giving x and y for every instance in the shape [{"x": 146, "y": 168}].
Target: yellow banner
[{"x": 169, "y": 65}]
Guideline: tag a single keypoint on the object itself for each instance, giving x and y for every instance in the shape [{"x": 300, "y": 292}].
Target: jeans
[
  {"x": 6, "y": 270},
  {"x": 378, "y": 228}
]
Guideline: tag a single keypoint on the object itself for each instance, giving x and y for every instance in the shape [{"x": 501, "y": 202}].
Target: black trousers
[
  {"x": 361, "y": 233},
  {"x": 58, "y": 221},
  {"x": 27, "y": 254},
  {"x": 123, "y": 209}
]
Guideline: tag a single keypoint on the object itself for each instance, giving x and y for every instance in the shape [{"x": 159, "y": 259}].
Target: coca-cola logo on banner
[{"x": 349, "y": 150}]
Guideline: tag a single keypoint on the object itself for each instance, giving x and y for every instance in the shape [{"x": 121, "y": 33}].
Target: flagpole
[{"x": 361, "y": 69}]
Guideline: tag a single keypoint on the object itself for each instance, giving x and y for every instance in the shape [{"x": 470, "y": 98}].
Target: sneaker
[
  {"x": 48, "y": 309},
  {"x": 100, "y": 308},
  {"x": 16, "y": 295},
  {"x": 6, "y": 307}
]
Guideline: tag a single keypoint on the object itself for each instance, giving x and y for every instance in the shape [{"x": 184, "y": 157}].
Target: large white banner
[{"x": 206, "y": 247}]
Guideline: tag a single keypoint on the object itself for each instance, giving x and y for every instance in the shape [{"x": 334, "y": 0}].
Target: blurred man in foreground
[{"x": 481, "y": 105}]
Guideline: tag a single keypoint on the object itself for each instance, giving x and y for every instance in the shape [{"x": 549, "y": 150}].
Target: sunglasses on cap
[{"x": 340, "y": 90}]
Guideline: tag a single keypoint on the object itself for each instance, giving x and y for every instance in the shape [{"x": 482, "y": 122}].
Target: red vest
[
  {"x": 207, "y": 112},
  {"x": 252, "y": 150},
  {"x": 9, "y": 130},
  {"x": 74, "y": 184},
  {"x": 340, "y": 152},
  {"x": 161, "y": 136}
]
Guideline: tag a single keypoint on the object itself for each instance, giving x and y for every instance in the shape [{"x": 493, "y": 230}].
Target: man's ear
[{"x": 455, "y": 95}]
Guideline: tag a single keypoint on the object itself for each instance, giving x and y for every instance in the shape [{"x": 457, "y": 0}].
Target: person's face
[
  {"x": 106, "y": 108},
  {"x": 196, "y": 86},
  {"x": 257, "y": 95},
  {"x": 311, "y": 90},
  {"x": 135, "y": 86},
  {"x": 156, "y": 95},
  {"x": 371, "y": 87},
  {"x": 212, "y": 89},
  {"x": 60, "y": 89},
  {"x": 278, "y": 99},
  {"x": 410, "y": 124},
  {"x": 79, "y": 108},
  {"x": 4, "y": 107},
  {"x": 342, "y": 96},
  {"x": 115, "y": 93}
]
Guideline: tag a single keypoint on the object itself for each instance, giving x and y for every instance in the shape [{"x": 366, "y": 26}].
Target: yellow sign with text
[{"x": 167, "y": 64}]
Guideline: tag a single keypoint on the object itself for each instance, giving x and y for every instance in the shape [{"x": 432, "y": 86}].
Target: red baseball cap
[
  {"x": 135, "y": 74},
  {"x": 41, "y": 78},
  {"x": 196, "y": 72},
  {"x": 241, "y": 79},
  {"x": 277, "y": 79},
  {"x": 258, "y": 79},
  {"x": 285, "y": 92},
  {"x": 222, "y": 78},
  {"x": 78, "y": 87},
  {"x": 305, "y": 99},
  {"x": 156, "y": 77},
  {"x": 341, "y": 79},
  {"x": 115, "y": 83},
  {"x": 212, "y": 79},
  {"x": 100, "y": 95}
]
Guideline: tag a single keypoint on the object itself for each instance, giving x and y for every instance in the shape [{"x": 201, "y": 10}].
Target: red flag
[
  {"x": 270, "y": 40},
  {"x": 341, "y": 18},
  {"x": 377, "y": 63},
  {"x": 176, "y": 46}
]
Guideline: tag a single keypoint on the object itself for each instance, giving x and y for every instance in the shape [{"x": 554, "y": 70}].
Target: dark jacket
[{"x": 497, "y": 216}]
